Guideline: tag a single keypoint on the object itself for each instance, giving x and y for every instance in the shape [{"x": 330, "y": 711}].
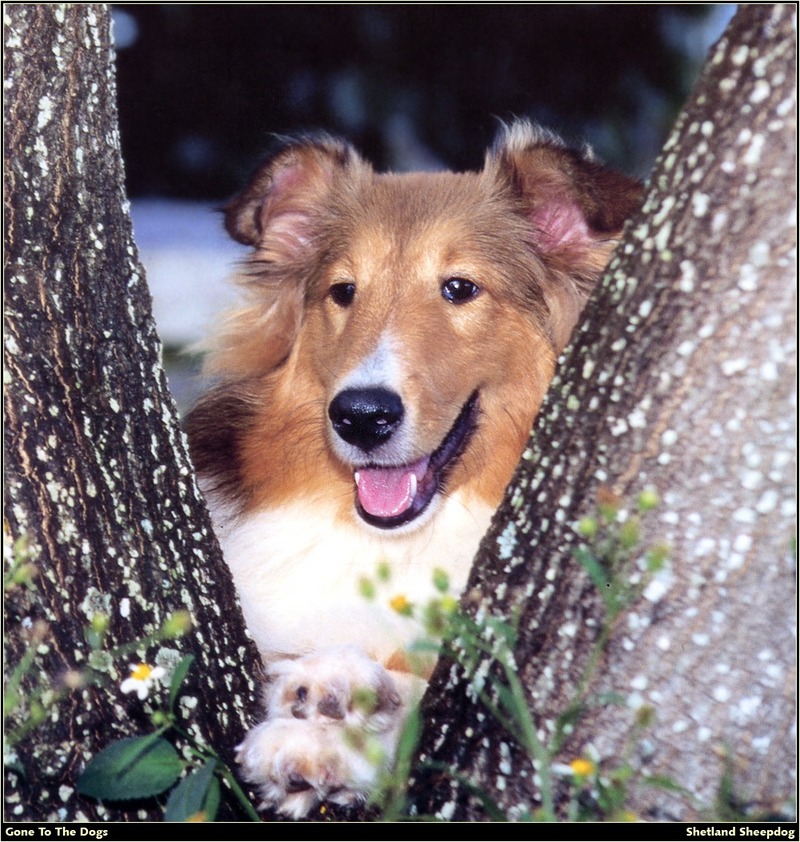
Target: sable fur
[{"x": 531, "y": 232}]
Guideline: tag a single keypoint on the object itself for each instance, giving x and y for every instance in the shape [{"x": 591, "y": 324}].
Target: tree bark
[
  {"x": 681, "y": 379},
  {"x": 99, "y": 488}
]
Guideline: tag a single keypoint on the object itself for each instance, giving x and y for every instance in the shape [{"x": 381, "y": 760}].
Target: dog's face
[
  {"x": 424, "y": 312},
  {"x": 402, "y": 326}
]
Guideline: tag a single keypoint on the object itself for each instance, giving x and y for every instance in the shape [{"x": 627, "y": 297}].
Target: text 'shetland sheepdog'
[{"x": 373, "y": 397}]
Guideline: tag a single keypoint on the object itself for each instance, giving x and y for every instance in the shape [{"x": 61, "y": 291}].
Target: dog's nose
[{"x": 366, "y": 418}]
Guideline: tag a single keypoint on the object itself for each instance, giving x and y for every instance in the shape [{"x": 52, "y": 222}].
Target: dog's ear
[
  {"x": 277, "y": 214},
  {"x": 572, "y": 201},
  {"x": 575, "y": 206},
  {"x": 276, "y": 209}
]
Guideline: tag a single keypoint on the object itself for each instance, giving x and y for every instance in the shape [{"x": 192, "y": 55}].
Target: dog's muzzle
[{"x": 391, "y": 495}]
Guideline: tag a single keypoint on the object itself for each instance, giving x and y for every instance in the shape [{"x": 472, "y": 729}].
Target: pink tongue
[{"x": 388, "y": 492}]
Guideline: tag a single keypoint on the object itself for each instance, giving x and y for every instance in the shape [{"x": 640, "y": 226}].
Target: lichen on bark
[{"x": 99, "y": 490}]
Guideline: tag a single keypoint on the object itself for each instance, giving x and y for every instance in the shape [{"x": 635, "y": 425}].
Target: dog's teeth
[
  {"x": 413, "y": 486},
  {"x": 357, "y": 477}
]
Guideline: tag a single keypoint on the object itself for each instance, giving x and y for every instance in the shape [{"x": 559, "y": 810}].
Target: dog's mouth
[{"x": 389, "y": 496}]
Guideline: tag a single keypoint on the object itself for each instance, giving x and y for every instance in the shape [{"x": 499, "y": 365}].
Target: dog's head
[{"x": 425, "y": 310}]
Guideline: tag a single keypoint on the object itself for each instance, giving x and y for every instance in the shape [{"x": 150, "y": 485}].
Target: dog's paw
[
  {"x": 296, "y": 764},
  {"x": 333, "y": 719},
  {"x": 340, "y": 684}
]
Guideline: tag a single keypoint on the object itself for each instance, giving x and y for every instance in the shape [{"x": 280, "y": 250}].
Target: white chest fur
[{"x": 298, "y": 574}]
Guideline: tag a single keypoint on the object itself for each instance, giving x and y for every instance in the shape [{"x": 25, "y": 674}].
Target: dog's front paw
[
  {"x": 296, "y": 764},
  {"x": 340, "y": 684},
  {"x": 333, "y": 719}
]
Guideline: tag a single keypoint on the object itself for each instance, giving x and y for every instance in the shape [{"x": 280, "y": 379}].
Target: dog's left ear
[
  {"x": 576, "y": 208},
  {"x": 572, "y": 201}
]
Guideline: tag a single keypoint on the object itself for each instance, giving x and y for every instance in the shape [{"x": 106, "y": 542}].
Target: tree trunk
[
  {"x": 100, "y": 496},
  {"x": 680, "y": 380}
]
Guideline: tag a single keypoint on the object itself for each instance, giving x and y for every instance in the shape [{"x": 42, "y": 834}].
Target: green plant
[
  {"x": 149, "y": 765},
  {"x": 133, "y": 767},
  {"x": 611, "y": 554}
]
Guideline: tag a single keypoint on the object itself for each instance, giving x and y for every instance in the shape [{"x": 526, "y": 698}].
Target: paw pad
[{"x": 331, "y": 728}]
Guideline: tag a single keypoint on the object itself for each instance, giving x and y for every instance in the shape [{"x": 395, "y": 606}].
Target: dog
[{"x": 373, "y": 395}]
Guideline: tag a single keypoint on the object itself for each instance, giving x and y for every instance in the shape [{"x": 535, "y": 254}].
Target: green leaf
[
  {"x": 592, "y": 566},
  {"x": 629, "y": 534},
  {"x": 197, "y": 793},
  {"x": 661, "y": 782},
  {"x": 611, "y": 698},
  {"x": 135, "y": 767},
  {"x": 177, "y": 679},
  {"x": 502, "y": 630},
  {"x": 566, "y": 720},
  {"x": 424, "y": 646}
]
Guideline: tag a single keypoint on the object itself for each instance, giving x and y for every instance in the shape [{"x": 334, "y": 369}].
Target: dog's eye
[
  {"x": 343, "y": 294},
  {"x": 459, "y": 290}
]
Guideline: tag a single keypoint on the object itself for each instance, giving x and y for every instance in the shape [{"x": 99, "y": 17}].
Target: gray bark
[
  {"x": 98, "y": 484},
  {"x": 681, "y": 379}
]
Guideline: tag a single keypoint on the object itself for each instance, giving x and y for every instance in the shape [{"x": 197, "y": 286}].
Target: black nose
[{"x": 366, "y": 418}]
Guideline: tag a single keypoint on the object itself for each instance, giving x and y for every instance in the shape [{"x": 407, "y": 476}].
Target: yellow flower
[
  {"x": 400, "y": 604},
  {"x": 582, "y": 768},
  {"x": 141, "y": 679}
]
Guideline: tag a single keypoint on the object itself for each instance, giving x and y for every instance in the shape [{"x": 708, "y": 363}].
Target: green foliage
[
  {"x": 612, "y": 545},
  {"x": 22, "y": 571},
  {"x": 390, "y": 794},
  {"x": 142, "y": 767},
  {"x": 584, "y": 789},
  {"x": 178, "y": 677},
  {"x": 196, "y": 797},
  {"x": 131, "y": 768},
  {"x": 615, "y": 561}
]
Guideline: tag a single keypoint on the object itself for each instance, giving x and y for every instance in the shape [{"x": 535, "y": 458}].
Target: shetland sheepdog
[{"x": 373, "y": 395}]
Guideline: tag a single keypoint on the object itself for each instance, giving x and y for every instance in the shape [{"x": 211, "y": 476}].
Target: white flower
[{"x": 142, "y": 678}]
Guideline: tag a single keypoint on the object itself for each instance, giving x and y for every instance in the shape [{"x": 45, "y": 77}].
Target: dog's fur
[{"x": 400, "y": 332}]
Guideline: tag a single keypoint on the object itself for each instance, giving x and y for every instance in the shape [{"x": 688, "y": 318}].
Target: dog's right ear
[
  {"x": 276, "y": 210},
  {"x": 277, "y": 213}
]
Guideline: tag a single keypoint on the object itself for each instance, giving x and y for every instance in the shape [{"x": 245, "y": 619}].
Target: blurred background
[{"x": 203, "y": 88}]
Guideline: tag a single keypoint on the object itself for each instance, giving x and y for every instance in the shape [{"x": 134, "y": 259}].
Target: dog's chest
[{"x": 300, "y": 576}]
